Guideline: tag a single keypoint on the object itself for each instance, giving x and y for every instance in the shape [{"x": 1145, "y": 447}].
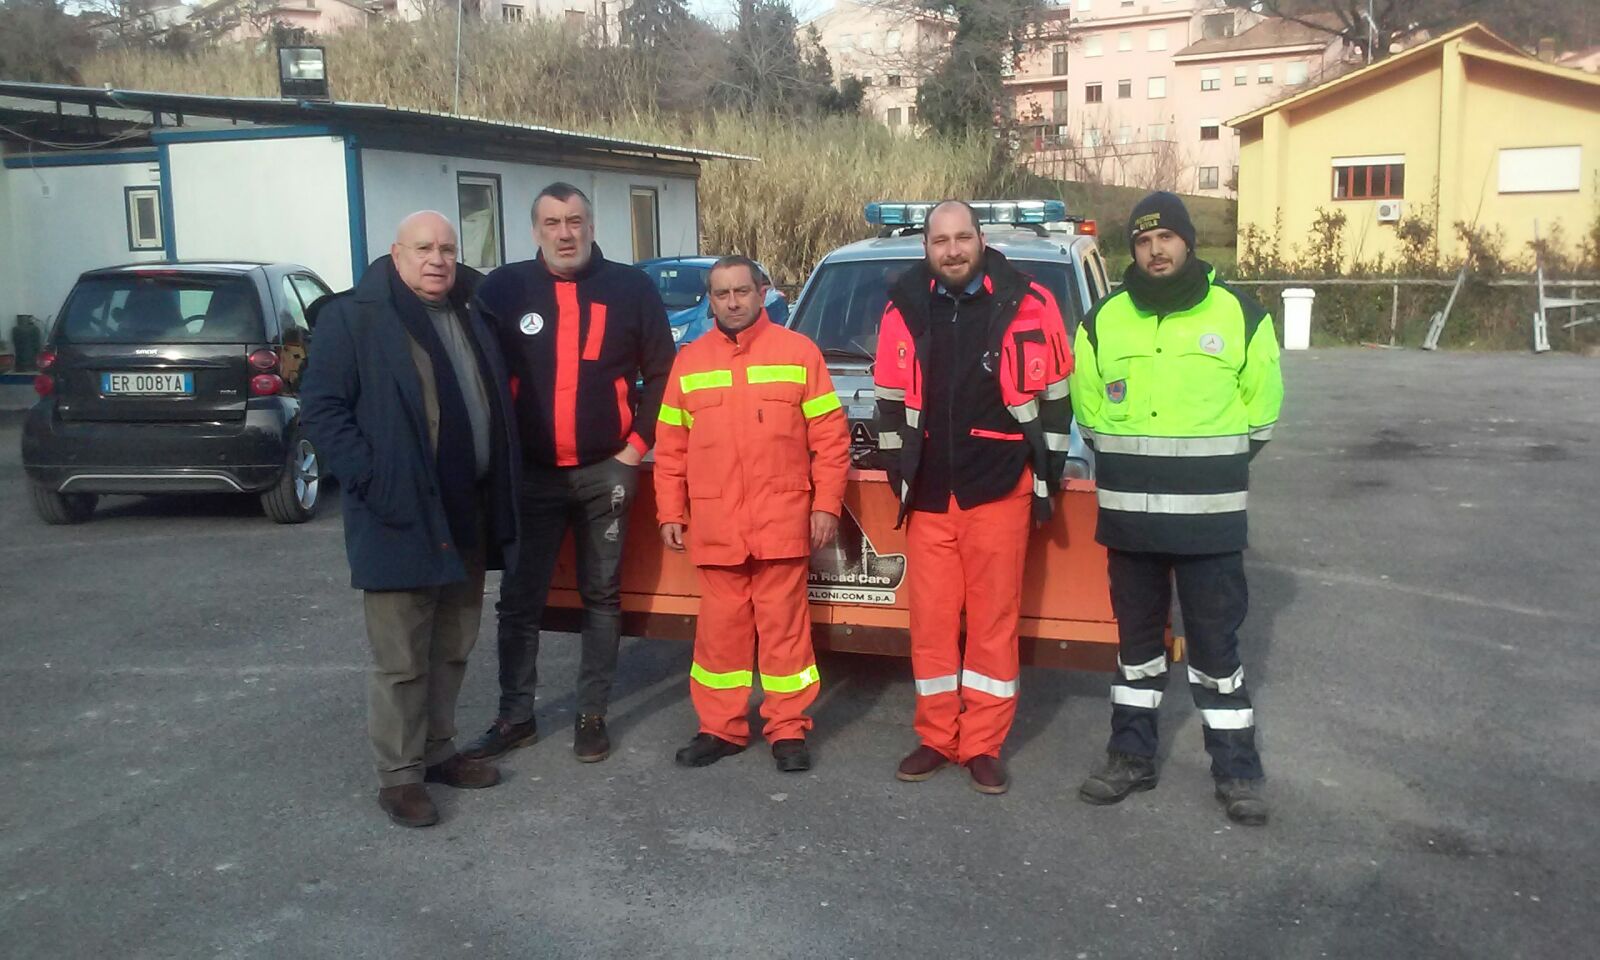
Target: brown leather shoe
[
  {"x": 408, "y": 805},
  {"x": 920, "y": 764},
  {"x": 463, "y": 774},
  {"x": 988, "y": 775}
]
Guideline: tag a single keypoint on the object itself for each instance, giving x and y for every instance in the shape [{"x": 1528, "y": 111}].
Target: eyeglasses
[{"x": 445, "y": 250}]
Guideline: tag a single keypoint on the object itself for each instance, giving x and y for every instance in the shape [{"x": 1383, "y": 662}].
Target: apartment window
[
  {"x": 911, "y": 116},
  {"x": 1157, "y": 39},
  {"x": 1264, "y": 73},
  {"x": 1127, "y": 3},
  {"x": 1241, "y": 76},
  {"x": 512, "y": 12},
  {"x": 1294, "y": 73},
  {"x": 1210, "y": 130},
  {"x": 891, "y": 40},
  {"x": 1541, "y": 169},
  {"x": 1058, "y": 60},
  {"x": 847, "y": 41},
  {"x": 1234, "y": 183},
  {"x": 1093, "y": 93},
  {"x": 866, "y": 79},
  {"x": 1208, "y": 178},
  {"x": 1058, "y": 106},
  {"x": 646, "y": 223},
  {"x": 1124, "y": 134},
  {"x": 892, "y": 118},
  {"x": 1216, "y": 26},
  {"x": 1124, "y": 89},
  {"x": 892, "y": 79},
  {"x": 478, "y": 205},
  {"x": 867, "y": 41},
  {"x": 1369, "y": 178},
  {"x": 1091, "y": 137},
  {"x": 1158, "y": 132},
  {"x": 1157, "y": 89},
  {"x": 575, "y": 19},
  {"x": 144, "y": 217},
  {"x": 1092, "y": 46},
  {"x": 1211, "y": 78},
  {"x": 1125, "y": 41}
]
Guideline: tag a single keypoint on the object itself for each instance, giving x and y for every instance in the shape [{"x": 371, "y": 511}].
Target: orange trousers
[
  {"x": 968, "y": 559},
  {"x": 763, "y": 599}
]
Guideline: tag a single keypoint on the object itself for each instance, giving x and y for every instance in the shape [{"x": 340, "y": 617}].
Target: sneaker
[
  {"x": 706, "y": 749},
  {"x": 589, "y": 740},
  {"x": 1242, "y": 800},
  {"x": 792, "y": 756},
  {"x": 1122, "y": 774},
  {"x": 988, "y": 775},
  {"x": 408, "y": 805},
  {"x": 501, "y": 738},
  {"x": 920, "y": 764},
  {"x": 463, "y": 774}
]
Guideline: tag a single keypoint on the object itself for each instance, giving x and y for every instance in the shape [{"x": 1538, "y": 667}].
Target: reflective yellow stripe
[
  {"x": 817, "y": 406},
  {"x": 690, "y": 382},
  {"x": 732, "y": 680},
  {"x": 791, "y": 683},
  {"x": 676, "y": 417},
  {"x": 775, "y": 373}
]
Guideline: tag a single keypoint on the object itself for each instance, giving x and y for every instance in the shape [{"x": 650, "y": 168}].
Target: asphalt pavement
[{"x": 182, "y": 685}]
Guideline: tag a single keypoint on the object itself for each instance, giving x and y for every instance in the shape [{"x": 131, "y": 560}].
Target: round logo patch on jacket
[
  {"x": 1211, "y": 343},
  {"x": 531, "y": 323},
  {"x": 1117, "y": 391}
]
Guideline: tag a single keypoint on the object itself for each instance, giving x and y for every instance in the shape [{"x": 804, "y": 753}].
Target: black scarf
[
  {"x": 1164, "y": 295},
  {"x": 457, "y": 460}
]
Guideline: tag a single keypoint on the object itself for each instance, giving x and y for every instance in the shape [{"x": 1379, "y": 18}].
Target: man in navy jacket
[
  {"x": 406, "y": 400},
  {"x": 589, "y": 349}
]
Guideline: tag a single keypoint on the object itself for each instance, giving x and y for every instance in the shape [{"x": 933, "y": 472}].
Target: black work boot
[
  {"x": 589, "y": 740},
  {"x": 501, "y": 738},
  {"x": 792, "y": 756},
  {"x": 1242, "y": 800},
  {"x": 1122, "y": 775},
  {"x": 706, "y": 749}
]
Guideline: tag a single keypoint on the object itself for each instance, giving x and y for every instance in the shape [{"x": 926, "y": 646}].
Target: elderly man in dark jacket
[{"x": 407, "y": 400}]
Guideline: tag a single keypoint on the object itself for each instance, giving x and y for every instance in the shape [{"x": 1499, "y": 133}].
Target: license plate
[{"x": 147, "y": 383}]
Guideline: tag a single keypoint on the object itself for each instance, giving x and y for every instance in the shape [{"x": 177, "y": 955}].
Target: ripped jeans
[{"x": 593, "y": 502}]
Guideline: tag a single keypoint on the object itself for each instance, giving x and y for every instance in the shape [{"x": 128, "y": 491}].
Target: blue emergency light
[{"x": 915, "y": 213}]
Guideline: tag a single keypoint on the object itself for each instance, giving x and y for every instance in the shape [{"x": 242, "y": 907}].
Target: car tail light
[
  {"x": 263, "y": 361},
  {"x": 265, "y": 384},
  {"x": 45, "y": 384}
]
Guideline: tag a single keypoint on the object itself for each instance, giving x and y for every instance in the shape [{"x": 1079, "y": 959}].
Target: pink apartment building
[
  {"x": 1134, "y": 92},
  {"x": 888, "y": 47}
]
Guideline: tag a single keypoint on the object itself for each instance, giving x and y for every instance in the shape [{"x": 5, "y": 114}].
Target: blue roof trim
[
  {"x": 356, "y": 199},
  {"x": 224, "y": 134},
  {"x": 169, "y": 234},
  {"x": 81, "y": 158}
]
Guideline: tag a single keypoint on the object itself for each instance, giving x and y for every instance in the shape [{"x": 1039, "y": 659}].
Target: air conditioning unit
[{"x": 1389, "y": 211}]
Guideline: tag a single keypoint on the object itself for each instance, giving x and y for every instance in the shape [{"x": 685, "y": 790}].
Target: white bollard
[{"x": 1297, "y": 317}]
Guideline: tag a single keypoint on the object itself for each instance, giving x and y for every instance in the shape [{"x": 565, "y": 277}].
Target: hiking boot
[
  {"x": 408, "y": 805},
  {"x": 792, "y": 756},
  {"x": 920, "y": 764},
  {"x": 1242, "y": 800},
  {"x": 463, "y": 774},
  {"x": 501, "y": 738},
  {"x": 988, "y": 775},
  {"x": 1122, "y": 775},
  {"x": 706, "y": 749},
  {"x": 589, "y": 740}
]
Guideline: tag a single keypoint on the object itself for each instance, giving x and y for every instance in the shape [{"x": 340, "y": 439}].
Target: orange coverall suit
[{"x": 751, "y": 440}]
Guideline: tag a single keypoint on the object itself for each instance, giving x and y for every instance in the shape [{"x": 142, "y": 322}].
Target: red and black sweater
[{"x": 588, "y": 357}]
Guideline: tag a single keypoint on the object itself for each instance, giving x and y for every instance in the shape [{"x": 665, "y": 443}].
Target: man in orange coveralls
[{"x": 751, "y": 456}]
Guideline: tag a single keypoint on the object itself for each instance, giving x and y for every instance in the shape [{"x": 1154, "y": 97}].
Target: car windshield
[
  {"x": 170, "y": 308},
  {"x": 681, "y": 286},
  {"x": 844, "y": 303}
]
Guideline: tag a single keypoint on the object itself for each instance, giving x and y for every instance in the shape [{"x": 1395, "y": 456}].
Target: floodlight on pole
[{"x": 303, "y": 73}]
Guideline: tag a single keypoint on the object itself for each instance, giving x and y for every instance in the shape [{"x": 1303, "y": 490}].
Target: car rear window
[
  {"x": 844, "y": 304},
  {"x": 167, "y": 308},
  {"x": 681, "y": 286}
]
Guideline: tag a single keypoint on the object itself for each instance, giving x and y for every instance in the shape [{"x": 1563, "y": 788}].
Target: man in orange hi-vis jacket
[
  {"x": 751, "y": 455},
  {"x": 973, "y": 419}
]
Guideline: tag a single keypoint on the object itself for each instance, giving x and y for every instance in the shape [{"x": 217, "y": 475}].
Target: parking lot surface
[{"x": 187, "y": 774}]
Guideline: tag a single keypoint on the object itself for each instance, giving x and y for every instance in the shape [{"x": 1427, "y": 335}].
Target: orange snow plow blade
[{"x": 858, "y": 597}]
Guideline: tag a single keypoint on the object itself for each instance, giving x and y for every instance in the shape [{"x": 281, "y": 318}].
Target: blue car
[{"x": 682, "y": 284}]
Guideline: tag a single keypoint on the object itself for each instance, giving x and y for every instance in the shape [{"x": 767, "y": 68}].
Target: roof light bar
[{"x": 915, "y": 213}]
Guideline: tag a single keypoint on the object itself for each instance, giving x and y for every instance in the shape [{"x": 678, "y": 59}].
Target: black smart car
[{"x": 175, "y": 378}]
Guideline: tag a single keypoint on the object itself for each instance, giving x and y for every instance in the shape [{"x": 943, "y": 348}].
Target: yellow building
[{"x": 1464, "y": 128}]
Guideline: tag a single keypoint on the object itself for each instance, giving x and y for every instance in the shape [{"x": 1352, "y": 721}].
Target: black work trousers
[{"x": 1213, "y": 597}]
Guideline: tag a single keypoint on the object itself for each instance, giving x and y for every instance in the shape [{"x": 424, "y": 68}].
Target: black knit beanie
[{"x": 1161, "y": 210}]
